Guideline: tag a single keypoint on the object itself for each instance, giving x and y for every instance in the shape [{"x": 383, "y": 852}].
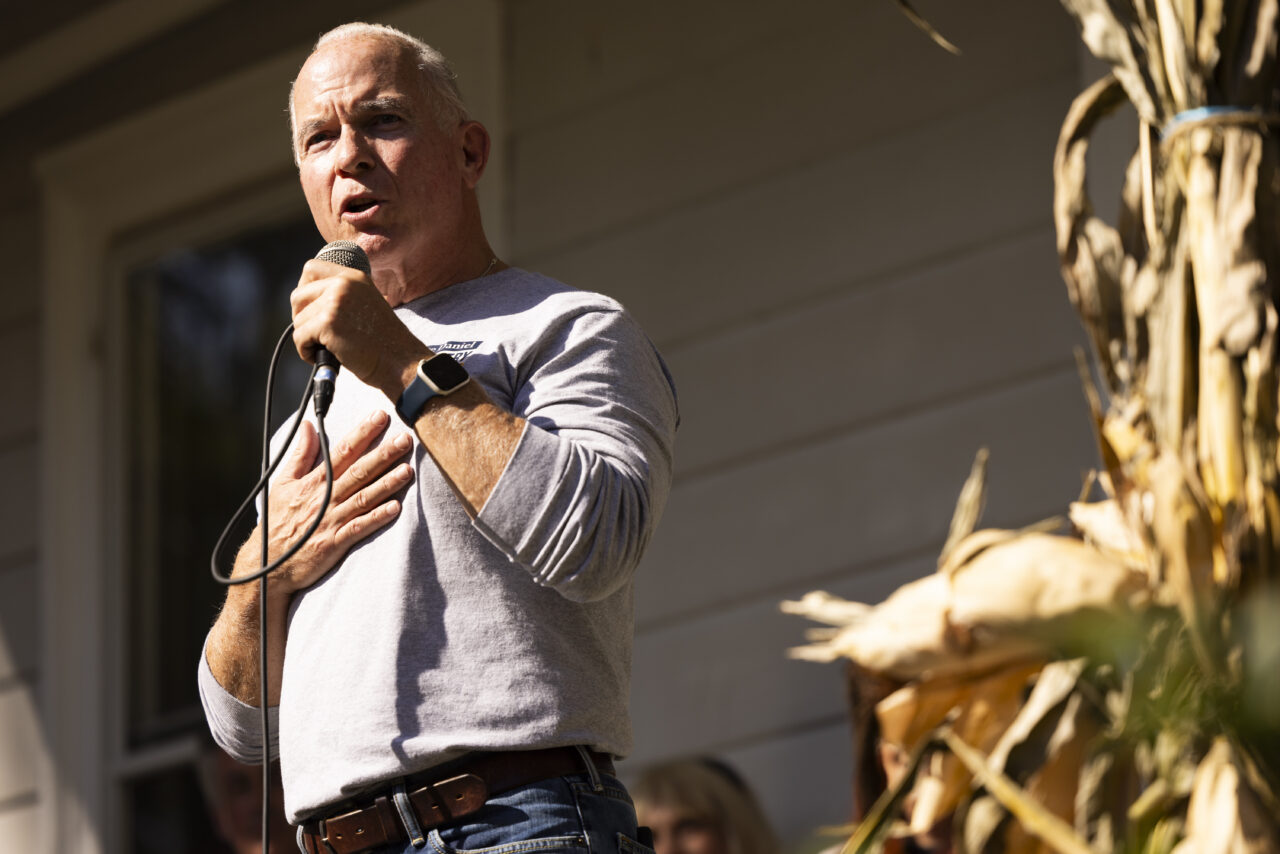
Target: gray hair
[{"x": 438, "y": 76}]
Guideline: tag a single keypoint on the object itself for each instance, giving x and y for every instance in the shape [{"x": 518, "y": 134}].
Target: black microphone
[{"x": 348, "y": 254}]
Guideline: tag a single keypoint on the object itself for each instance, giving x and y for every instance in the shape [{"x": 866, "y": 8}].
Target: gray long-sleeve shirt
[{"x": 439, "y": 634}]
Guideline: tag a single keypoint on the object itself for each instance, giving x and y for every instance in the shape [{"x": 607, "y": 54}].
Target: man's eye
[
  {"x": 315, "y": 139},
  {"x": 385, "y": 119}
]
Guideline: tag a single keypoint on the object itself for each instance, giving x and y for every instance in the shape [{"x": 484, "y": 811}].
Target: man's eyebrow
[
  {"x": 390, "y": 103},
  {"x": 305, "y": 129}
]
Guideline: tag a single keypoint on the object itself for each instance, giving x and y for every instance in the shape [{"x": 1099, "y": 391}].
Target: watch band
[{"x": 439, "y": 375}]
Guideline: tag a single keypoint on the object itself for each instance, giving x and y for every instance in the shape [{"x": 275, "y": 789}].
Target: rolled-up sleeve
[
  {"x": 235, "y": 726},
  {"x": 583, "y": 492}
]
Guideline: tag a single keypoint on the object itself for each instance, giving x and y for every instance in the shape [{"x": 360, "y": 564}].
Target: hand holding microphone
[
  {"x": 349, "y": 254},
  {"x": 345, "y": 314}
]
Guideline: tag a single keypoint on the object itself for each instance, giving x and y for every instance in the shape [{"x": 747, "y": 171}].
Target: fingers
[
  {"x": 312, "y": 315},
  {"x": 372, "y": 507},
  {"x": 340, "y": 309},
  {"x": 363, "y": 498},
  {"x": 370, "y": 465},
  {"x": 380, "y": 490},
  {"x": 303, "y": 458},
  {"x": 357, "y": 442},
  {"x": 311, "y": 320},
  {"x": 362, "y": 526},
  {"x": 357, "y": 459}
]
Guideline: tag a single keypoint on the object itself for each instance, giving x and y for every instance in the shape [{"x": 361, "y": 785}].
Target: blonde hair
[{"x": 711, "y": 791}]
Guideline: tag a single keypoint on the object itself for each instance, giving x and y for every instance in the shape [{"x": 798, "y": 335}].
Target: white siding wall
[{"x": 840, "y": 236}]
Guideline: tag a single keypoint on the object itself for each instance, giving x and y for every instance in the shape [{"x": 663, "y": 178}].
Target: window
[{"x": 200, "y": 323}]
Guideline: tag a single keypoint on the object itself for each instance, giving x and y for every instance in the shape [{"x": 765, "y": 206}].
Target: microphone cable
[{"x": 267, "y": 566}]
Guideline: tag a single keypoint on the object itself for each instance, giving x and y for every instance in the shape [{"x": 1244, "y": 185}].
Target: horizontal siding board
[
  {"x": 574, "y": 55},
  {"x": 804, "y": 781},
  {"x": 725, "y": 679},
  {"x": 898, "y": 205},
  {"x": 864, "y": 497},
  {"x": 712, "y": 129},
  {"x": 19, "y": 605},
  {"x": 978, "y": 321}
]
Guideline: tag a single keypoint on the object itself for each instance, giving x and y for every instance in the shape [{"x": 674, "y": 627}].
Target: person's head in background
[
  {"x": 701, "y": 806},
  {"x": 233, "y": 795}
]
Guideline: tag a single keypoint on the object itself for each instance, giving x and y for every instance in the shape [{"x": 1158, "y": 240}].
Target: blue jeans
[{"x": 578, "y": 814}]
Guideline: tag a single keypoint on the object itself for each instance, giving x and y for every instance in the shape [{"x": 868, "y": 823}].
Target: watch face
[{"x": 445, "y": 372}]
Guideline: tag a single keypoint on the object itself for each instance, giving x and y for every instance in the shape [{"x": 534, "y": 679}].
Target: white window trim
[{"x": 177, "y": 157}]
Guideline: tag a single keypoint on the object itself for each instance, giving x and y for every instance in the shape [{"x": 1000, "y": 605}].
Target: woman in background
[{"x": 701, "y": 806}]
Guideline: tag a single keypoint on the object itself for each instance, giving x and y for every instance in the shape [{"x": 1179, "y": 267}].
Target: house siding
[{"x": 841, "y": 238}]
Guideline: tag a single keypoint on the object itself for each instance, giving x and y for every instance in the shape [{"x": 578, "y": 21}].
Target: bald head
[{"x": 435, "y": 74}]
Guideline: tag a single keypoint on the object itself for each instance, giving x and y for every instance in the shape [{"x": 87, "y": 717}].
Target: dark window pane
[
  {"x": 212, "y": 807},
  {"x": 168, "y": 815},
  {"x": 202, "y": 324}
]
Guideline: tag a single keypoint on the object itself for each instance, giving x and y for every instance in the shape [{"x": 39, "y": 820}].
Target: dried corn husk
[
  {"x": 1104, "y": 526},
  {"x": 1181, "y": 303},
  {"x": 986, "y": 705},
  {"x": 1224, "y": 815},
  {"x": 993, "y": 609}
]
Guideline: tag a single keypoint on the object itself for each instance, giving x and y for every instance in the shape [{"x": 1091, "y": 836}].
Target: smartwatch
[{"x": 439, "y": 375}]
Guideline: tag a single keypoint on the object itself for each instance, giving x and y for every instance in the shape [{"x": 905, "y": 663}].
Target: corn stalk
[{"x": 1111, "y": 687}]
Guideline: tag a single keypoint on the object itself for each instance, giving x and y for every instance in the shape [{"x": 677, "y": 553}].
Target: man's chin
[
  {"x": 373, "y": 243},
  {"x": 379, "y": 247}
]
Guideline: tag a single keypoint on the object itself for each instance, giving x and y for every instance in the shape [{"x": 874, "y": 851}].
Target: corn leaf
[{"x": 1035, "y": 818}]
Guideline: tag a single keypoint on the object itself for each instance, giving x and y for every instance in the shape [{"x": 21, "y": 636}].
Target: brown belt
[{"x": 442, "y": 795}]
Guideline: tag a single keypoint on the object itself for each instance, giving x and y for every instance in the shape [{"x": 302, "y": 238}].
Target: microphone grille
[{"x": 348, "y": 254}]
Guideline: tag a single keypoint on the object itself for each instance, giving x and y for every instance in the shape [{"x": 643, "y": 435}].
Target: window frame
[{"x": 270, "y": 204}]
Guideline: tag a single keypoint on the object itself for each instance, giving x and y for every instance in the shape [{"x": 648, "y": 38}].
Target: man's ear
[{"x": 475, "y": 151}]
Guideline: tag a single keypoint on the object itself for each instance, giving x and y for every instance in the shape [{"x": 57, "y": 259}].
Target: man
[{"x": 450, "y": 652}]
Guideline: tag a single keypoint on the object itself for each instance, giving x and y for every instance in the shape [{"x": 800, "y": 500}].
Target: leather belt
[{"x": 441, "y": 795}]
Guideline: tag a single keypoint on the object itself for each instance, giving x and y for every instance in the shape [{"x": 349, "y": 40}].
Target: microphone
[{"x": 348, "y": 254}]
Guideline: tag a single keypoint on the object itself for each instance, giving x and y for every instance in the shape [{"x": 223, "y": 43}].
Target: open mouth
[{"x": 359, "y": 205}]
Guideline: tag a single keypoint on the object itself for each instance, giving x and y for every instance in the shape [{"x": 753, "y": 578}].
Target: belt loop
[
  {"x": 401, "y": 799},
  {"x": 592, "y": 771}
]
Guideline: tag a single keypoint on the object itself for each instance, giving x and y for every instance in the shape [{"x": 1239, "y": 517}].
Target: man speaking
[{"x": 449, "y": 655}]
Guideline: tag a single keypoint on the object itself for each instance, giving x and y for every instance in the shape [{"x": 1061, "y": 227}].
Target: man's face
[{"x": 374, "y": 165}]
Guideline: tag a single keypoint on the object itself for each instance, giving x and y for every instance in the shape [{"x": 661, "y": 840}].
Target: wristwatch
[{"x": 439, "y": 375}]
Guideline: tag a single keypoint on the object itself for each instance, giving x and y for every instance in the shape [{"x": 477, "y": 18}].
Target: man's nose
[{"x": 353, "y": 153}]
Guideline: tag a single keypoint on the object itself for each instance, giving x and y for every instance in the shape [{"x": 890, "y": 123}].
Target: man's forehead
[{"x": 357, "y": 70}]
